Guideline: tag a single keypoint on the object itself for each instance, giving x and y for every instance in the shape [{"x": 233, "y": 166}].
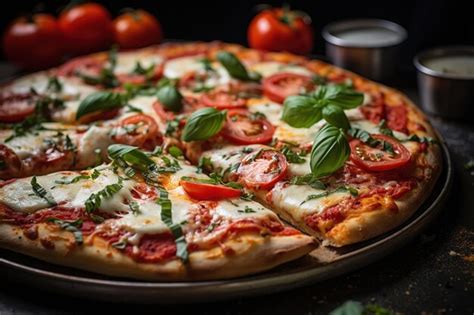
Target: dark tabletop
[{"x": 434, "y": 274}]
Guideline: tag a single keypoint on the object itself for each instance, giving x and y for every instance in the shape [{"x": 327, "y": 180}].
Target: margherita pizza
[{"x": 204, "y": 161}]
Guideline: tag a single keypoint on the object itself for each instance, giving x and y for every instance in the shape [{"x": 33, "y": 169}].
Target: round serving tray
[{"x": 321, "y": 264}]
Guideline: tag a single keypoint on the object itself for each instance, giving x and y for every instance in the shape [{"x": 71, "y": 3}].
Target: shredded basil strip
[
  {"x": 366, "y": 138},
  {"x": 176, "y": 230},
  {"x": 354, "y": 192},
  {"x": 71, "y": 226},
  {"x": 95, "y": 173},
  {"x": 292, "y": 156},
  {"x": 308, "y": 179},
  {"x": 41, "y": 192},
  {"x": 95, "y": 200}
]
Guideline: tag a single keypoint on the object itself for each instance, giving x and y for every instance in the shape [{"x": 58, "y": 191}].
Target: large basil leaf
[
  {"x": 132, "y": 155},
  {"x": 99, "y": 101},
  {"x": 203, "y": 124},
  {"x": 335, "y": 116},
  {"x": 300, "y": 111},
  {"x": 330, "y": 151},
  {"x": 235, "y": 68},
  {"x": 170, "y": 97},
  {"x": 343, "y": 96}
]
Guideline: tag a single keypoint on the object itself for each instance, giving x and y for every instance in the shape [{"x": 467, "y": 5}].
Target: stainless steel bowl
[
  {"x": 445, "y": 94},
  {"x": 374, "y": 60}
]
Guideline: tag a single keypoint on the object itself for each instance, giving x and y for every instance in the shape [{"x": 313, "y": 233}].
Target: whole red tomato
[
  {"x": 136, "y": 29},
  {"x": 279, "y": 29},
  {"x": 86, "y": 28},
  {"x": 33, "y": 43}
]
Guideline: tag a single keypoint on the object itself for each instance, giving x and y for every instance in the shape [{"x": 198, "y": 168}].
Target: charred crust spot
[
  {"x": 31, "y": 232},
  {"x": 47, "y": 243}
]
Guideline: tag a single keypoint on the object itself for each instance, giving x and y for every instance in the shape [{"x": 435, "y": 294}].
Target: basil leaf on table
[
  {"x": 330, "y": 151},
  {"x": 235, "y": 68},
  {"x": 299, "y": 111},
  {"x": 99, "y": 101},
  {"x": 335, "y": 116},
  {"x": 203, "y": 124},
  {"x": 170, "y": 97}
]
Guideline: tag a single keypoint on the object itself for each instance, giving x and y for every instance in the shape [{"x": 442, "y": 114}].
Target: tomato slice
[
  {"x": 10, "y": 163},
  {"x": 16, "y": 107},
  {"x": 203, "y": 191},
  {"x": 190, "y": 104},
  {"x": 243, "y": 127},
  {"x": 139, "y": 130},
  {"x": 377, "y": 160},
  {"x": 262, "y": 170},
  {"x": 279, "y": 86},
  {"x": 222, "y": 100},
  {"x": 144, "y": 192},
  {"x": 84, "y": 65}
]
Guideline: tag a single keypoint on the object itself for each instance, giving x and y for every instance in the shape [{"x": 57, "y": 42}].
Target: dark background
[
  {"x": 434, "y": 274},
  {"x": 428, "y": 22}
]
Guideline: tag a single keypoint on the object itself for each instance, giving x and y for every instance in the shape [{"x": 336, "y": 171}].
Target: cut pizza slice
[{"x": 134, "y": 219}]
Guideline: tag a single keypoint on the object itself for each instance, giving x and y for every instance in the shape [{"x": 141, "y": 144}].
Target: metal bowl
[
  {"x": 445, "y": 94},
  {"x": 373, "y": 60}
]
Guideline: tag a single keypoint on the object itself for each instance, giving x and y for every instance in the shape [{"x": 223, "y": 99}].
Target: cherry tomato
[
  {"x": 139, "y": 130},
  {"x": 376, "y": 159},
  {"x": 16, "y": 107},
  {"x": 34, "y": 43},
  {"x": 136, "y": 29},
  {"x": 281, "y": 85},
  {"x": 10, "y": 163},
  {"x": 262, "y": 170},
  {"x": 222, "y": 100},
  {"x": 203, "y": 191},
  {"x": 279, "y": 29},
  {"x": 243, "y": 127},
  {"x": 86, "y": 28}
]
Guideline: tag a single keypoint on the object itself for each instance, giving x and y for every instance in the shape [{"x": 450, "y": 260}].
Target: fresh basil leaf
[
  {"x": 203, "y": 124},
  {"x": 170, "y": 97},
  {"x": 330, "y": 151},
  {"x": 335, "y": 116},
  {"x": 98, "y": 101},
  {"x": 300, "y": 111},
  {"x": 342, "y": 96},
  {"x": 349, "y": 308},
  {"x": 235, "y": 68},
  {"x": 205, "y": 163},
  {"x": 175, "y": 151},
  {"x": 131, "y": 155},
  {"x": 363, "y": 136}
]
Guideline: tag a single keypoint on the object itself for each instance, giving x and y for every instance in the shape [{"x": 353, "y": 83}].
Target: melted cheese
[
  {"x": 224, "y": 158},
  {"x": 126, "y": 62},
  {"x": 178, "y": 67},
  {"x": 291, "y": 199},
  {"x": 32, "y": 144},
  {"x": 20, "y": 196},
  {"x": 269, "y": 68},
  {"x": 95, "y": 138},
  {"x": 271, "y": 110}
]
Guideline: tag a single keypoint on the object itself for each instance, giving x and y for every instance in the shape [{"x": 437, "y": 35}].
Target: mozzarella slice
[
  {"x": 127, "y": 61},
  {"x": 269, "y": 68}
]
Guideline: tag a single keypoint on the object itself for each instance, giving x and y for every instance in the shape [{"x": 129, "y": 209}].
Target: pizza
[{"x": 194, "y": 161}]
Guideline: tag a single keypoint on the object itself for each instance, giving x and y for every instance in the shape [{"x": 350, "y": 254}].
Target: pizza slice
[{"x": 133, "y": 218}]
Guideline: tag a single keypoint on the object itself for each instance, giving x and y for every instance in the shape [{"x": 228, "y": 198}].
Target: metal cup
[
  {"x": 372, "y": 59},
  {"x": 442, "y": 93}
]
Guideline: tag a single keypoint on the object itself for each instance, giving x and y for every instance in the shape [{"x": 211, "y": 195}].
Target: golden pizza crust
[{"x": 246, "y": 254}]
